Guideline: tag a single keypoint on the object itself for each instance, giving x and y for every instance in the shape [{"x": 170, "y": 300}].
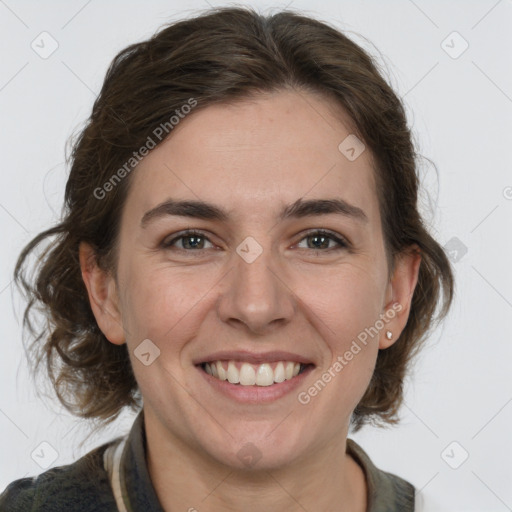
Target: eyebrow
[{"x": 298, "y": 209}]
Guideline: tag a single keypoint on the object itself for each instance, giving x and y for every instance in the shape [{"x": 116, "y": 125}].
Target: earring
[{"x": 389, "y": 335}]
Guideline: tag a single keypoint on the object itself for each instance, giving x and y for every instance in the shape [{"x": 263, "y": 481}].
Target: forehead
[{"x": 256, "y": 155}]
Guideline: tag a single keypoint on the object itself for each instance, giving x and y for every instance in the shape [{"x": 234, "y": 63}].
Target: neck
[{"x": 186, "y": 479}]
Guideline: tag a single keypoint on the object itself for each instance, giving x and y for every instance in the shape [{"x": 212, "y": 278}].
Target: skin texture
[{"x": 251, "y": 158}]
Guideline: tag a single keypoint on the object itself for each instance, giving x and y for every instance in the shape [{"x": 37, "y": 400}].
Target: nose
[{"x": 256, "y": 295}]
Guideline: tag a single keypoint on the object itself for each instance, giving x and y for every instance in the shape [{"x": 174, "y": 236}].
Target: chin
[{"x": 251, "y": 451}]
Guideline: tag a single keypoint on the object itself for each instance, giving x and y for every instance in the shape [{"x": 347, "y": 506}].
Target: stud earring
[{"x": 389, "y": 335}]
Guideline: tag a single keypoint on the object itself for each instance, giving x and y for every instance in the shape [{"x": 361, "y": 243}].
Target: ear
[
  {"x": 103, "y": 297},
  {"x": 399, "y": 294}
]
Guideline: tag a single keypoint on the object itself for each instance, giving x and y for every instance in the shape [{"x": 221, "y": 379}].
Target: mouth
[
  {"x": 255, "y": 378},
  {"x": 255, "y": 383},
  {"x": 243, "y": 373}
]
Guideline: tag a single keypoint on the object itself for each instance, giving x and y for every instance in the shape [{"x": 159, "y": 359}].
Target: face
[{"x": 255, "y": 286}]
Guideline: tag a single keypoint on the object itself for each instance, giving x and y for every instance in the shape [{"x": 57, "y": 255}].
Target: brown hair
[{"x": 223, "y": 55}]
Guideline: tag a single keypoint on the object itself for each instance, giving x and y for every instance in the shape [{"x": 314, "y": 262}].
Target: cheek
[
  {"x": 162, "y": 302},
  {"x": 346, "y": 301},
  {"x": 348, "y": 309},
  {"x": 149, "y": 302}
]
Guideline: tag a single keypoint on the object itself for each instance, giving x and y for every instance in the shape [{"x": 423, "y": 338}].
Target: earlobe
[
  {"x": 399, "y": 295},
  {"x": 103, "y": 297}
]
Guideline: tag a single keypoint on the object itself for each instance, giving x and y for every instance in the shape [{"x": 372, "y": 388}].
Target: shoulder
[
  {"x": 385, "y": 491},
  {"x": 391, "y": 489},
  {"x": 82, "y": 486}
]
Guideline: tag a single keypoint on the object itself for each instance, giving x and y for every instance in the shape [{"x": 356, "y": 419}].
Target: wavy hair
[{"x": 222, "y": 55}]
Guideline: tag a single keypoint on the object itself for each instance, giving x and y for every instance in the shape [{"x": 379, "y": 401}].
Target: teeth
[
  {"x": 221, "y": 373},
  {"x": 288, "y": 370},
  {"x": 265, "y": 375},
  {"x": 279, "y": 375},
  {"x": 250, "y": 375},
  {"x": 247, "y": 375},
  {"x": 233, "y": 373}
]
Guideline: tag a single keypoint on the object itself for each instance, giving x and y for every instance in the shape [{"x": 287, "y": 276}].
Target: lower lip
[{"x": 256, "y": 394}]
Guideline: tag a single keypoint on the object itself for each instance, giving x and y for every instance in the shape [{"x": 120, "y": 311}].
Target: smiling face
[{"x": 255, "y": 277}]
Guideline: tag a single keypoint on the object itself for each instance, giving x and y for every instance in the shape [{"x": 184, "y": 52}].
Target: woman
[{"x": 241, "y": 260}]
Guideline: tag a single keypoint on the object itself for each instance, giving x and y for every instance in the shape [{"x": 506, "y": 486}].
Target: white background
[{"x": 461, "y": 112}]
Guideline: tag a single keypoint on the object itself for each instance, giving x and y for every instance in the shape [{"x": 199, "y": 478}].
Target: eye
[
  {"x": 190, "y": 240},
  {"x": 321, "y": 239}
]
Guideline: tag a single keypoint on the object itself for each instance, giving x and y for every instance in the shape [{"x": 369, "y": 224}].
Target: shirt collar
[
  {"x": 385, "y": 491},
  {"x": 138, "y": 490}
]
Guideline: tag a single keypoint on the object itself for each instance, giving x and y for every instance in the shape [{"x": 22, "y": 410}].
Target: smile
[{"x": 247, "y": 374}]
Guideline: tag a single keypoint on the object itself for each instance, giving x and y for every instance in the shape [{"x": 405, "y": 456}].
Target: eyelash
[{"x": 342, "y": 242}]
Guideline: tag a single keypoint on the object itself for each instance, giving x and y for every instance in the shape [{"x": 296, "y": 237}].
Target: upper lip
[{"x": 253, "y": 357}]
